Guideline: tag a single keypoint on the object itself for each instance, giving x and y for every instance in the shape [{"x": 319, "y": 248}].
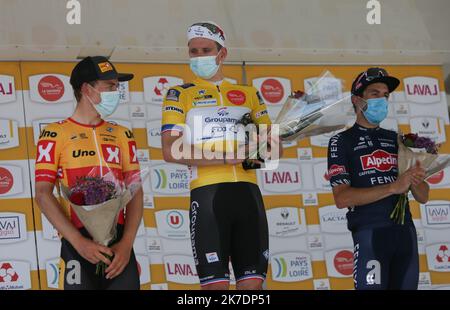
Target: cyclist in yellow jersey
[
  {"x": 78, "y": 146},
  {"x": 227, "y": 215}
]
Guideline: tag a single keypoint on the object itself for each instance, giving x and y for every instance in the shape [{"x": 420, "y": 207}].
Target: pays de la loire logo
[{"x": 379, "y": 160}]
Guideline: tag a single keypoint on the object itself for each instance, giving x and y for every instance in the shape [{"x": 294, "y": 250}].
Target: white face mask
[
  {"x": 108, "y": 104},
  {"x": 204, "y": 67}
]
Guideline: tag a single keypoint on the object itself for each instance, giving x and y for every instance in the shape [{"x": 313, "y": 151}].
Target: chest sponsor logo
[
  {"x": 7, "y": 89},
  {"x": 379, "y": 160},
  {"x": 236, "y": 97},
  {"x": 132, "y": 149},
  {"x": 111, "y": 154},
  {"x": 422, "y": 90}
]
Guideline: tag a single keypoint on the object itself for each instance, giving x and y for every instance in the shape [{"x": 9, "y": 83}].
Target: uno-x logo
[
  {"x": 46, "y": 152},
  {"x": 133, "y": 152},
  {"x": 111, "y": 153},
  {"x": 379, "y": 160}
]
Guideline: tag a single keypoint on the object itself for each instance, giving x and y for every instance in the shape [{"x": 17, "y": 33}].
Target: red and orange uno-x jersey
[{"x": 67, "y": 150}]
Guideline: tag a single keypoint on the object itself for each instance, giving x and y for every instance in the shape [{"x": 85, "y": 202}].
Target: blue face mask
[
  {"x": 376, "y": 110},
  {"x": 108, "y": 104},
  {"x": 204, "y": 67}
]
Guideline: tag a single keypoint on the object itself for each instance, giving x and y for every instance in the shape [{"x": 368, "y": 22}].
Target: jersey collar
[
  {"x": 85, "y": 125},
  {"x": 202, "y": 82},
  {"x": 365, "y": 129}
]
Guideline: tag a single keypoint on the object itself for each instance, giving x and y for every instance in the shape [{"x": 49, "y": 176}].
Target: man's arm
[
  {"x": 122, "y": 249},
  {"x": 49, "y": 205},
  {"x": 346, "y": 196},
  {"x": 173, "y": 150}
]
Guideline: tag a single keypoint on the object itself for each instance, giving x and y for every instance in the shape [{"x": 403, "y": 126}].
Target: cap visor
[
  {"x": 123, "y": 77},
  {"x": 390, "y": 81}
]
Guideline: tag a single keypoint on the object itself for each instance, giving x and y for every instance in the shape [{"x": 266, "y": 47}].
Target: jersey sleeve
[
  {"x": 48, "y": 151},
  {"x": 260, "y": 114},
  {"x": 173, "y": 111},
  {"x": 338, "y": 167},
  {"x": 130, "y": 163}
]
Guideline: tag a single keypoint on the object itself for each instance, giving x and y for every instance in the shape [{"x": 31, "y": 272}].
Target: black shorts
[
  {"x": 76, "y": 273},
  {"x": 228, "y": 222},
  {"x": 386, "y": 258}
]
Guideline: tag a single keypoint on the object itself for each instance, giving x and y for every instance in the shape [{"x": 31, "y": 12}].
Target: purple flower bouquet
[
  {"x": 98, "y": 200},
  {"x": 412, "y": 149}
]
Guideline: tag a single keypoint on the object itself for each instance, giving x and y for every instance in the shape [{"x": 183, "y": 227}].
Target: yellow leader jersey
[
  {"x": 68, "y": 150},
  {"x": 207, "y": 113}
]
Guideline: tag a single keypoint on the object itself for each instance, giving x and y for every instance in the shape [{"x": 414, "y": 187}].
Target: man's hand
[
  {"x": 92, "y": 251},
  {"x": 412, "y": 177},
  {"x": 418, "y": 174},
  {"x": 122, "y": 252}
]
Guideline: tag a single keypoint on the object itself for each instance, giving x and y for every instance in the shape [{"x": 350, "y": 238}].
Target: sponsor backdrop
[{"x": 310, "y": 247}]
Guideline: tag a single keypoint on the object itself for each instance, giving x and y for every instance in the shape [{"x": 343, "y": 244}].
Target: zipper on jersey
[
  {"x": 221, "y": 104},
  {"x": 220, "y": 94},
  {"x": 98, "y": 151}
]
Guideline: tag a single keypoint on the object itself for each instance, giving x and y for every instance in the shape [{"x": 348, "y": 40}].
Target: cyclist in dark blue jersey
[{"x": 362, "y": 165}]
